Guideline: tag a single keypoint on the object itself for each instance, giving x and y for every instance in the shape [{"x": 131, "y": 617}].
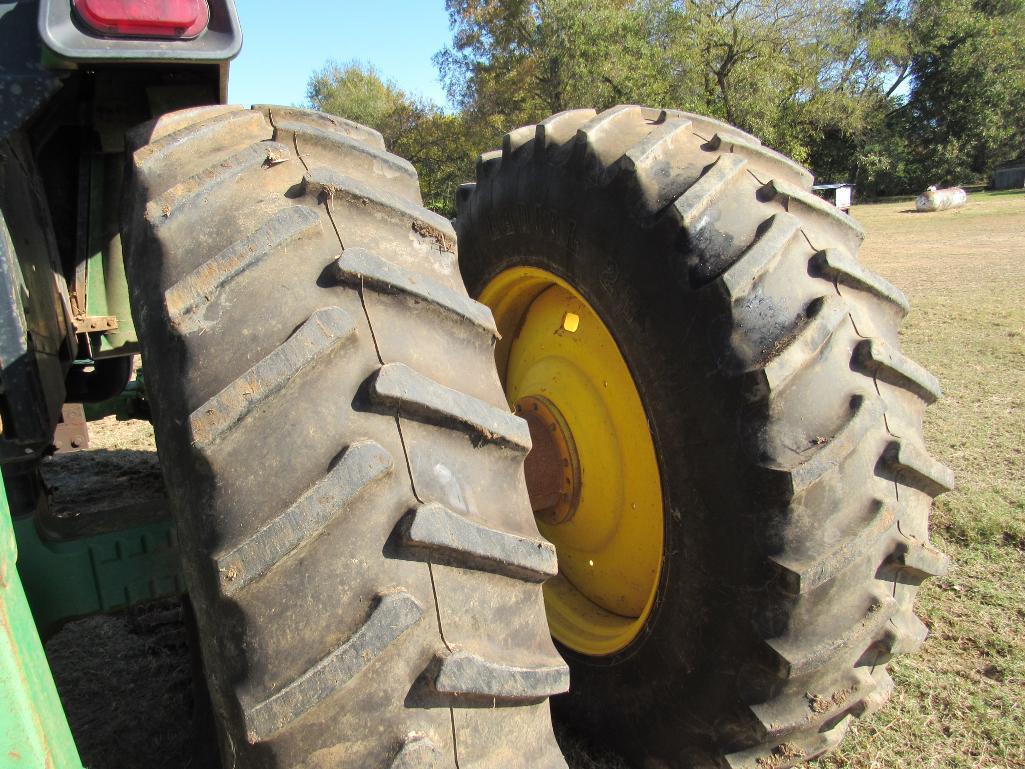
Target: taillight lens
[{"x": 145, "y": 18}]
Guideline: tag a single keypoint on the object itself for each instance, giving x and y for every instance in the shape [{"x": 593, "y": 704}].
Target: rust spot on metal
[
  {"x": 88, "y": 324},
  {"x": 72, "y": 433},
  {"x": 551, "y": 467}
]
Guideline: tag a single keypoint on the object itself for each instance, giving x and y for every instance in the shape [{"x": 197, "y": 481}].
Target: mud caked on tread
[
  {"x": 346, "y": 478},
  {"x": 787, "y": 422}
]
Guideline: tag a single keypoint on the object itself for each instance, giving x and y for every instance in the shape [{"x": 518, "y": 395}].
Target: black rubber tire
[
  {"x": 345, "y": 474},
  {"x": 786, "y": 421}
]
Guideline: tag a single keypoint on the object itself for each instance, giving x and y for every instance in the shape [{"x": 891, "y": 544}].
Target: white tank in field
[{"x": 940, "y": 200}]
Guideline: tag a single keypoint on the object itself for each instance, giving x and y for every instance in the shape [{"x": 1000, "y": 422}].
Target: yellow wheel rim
[{"x": 600, "y": 485}]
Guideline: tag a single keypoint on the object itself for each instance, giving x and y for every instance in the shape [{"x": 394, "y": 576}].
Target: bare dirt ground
[
  {"x": 119, "y": 472},
  {"x": 125, "y": 679},
  {"x": 960, "y": 701}
]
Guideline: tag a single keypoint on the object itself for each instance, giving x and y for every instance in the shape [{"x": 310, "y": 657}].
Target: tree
[
  {"x": 891, "y": 94},
  {"x": 968, "y": 68},
  {"x": 522, "y": 61},
  {"x": 754, "y": 63},
  {"x": 848, "y": 125},
  {"x": 949, "y": 84},
  {"x": 354, "y": 90}
]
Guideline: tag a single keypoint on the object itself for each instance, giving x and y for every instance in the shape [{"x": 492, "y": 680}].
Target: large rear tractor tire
[
  {"x": 728, "y": 439},
  {"x": 346, "y": 477}
]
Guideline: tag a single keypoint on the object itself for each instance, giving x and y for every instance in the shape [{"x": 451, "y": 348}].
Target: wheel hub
[
  {"x": 551, "y": 467},
  {"x": 592, "y": 475}
]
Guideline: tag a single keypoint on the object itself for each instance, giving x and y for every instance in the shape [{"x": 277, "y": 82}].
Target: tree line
[{"x": 893, "y": 95}]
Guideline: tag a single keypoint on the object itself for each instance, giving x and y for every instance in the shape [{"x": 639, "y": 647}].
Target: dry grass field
[{"x": 960, "y": 701}]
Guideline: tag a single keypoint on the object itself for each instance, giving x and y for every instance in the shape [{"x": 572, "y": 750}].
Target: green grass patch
[{"x": 960, "y": 701}]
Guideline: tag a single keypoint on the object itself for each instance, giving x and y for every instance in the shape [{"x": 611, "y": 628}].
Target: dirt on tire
[{"x": 344, "y": 473}]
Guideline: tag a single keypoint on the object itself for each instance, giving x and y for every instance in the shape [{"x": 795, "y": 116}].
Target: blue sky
[{"x": 284, "y": 42}]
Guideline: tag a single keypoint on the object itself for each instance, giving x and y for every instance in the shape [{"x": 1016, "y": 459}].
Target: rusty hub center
[{"x": 551, "y": 467}]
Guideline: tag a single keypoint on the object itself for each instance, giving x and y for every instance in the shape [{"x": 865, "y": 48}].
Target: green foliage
[
  {"x": 356, "y": 91},
  {"x": 954, "y": 78},
  {"x": 442, "y": 147},
  {"x": 523, "y": 61},
  {"x": 969, "y": 74},
  {"x": 892, "y": 94}
]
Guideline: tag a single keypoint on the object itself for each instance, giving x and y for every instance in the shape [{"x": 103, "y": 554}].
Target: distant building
[
  {"x": 1010, "y": 175},
  {"x": 839, "y": 195}
]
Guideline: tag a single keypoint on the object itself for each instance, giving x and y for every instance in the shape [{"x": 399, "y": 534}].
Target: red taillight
[{"x": 145, "y": 18}]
